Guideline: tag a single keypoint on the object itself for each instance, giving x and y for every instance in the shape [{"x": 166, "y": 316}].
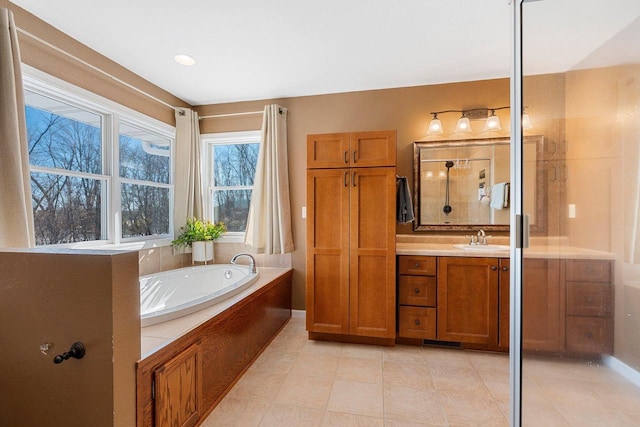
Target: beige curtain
[
  {"x": 16, "y": 215},
  {"x": 269, "y": 223},
  {"x": 188, "y": 193}
]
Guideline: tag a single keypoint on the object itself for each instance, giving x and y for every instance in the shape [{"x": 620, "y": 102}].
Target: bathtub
[{"x": 175, "y": 293}]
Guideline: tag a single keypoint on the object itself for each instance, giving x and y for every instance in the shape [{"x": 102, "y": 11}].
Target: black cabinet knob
[{"x": 417, "y": 322}]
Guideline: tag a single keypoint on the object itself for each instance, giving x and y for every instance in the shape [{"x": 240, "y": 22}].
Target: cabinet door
[
  {"x": 543, "y": 305},
  {"x": 468, "y": 300},
  {"x": 372, "y": 253},
  {"x": 377, "y": 148},
  {"x": 177, "y": 384},
  {"x": 504, "y": 302},
  {"x": 327, "y": 298},
  {"x": 330, "y": 150}
]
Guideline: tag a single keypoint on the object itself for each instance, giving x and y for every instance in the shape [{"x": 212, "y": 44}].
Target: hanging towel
[
  {"x": 498, "y": 195},
  {"x": 404, "y": 206}
]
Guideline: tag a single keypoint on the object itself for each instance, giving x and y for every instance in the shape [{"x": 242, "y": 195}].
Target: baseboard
[
  {"x": 299, "y": 314},
  {"x": 622, "y": 368}
]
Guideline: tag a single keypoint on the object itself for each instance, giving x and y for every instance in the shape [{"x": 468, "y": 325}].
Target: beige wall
[
  {"x": 63, "y": 297},
  {"x": 603, "y": 158}
]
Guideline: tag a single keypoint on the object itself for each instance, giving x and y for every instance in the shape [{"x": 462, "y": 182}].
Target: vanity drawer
[
  {"x": 589, "y": 299},
  {"x": 417, "y": 265},
  {"x": 588, "y": 270},
  {"x": 417, "y": 290},
  {"x": 417, "y": 322},
  {"x": 589, "y": 334}
]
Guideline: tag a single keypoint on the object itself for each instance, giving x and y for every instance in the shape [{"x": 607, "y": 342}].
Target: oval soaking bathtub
[{"x": 175, "y": 293}]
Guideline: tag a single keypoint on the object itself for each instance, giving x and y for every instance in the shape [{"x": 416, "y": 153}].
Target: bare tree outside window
[{"x": 233, "y": 174}]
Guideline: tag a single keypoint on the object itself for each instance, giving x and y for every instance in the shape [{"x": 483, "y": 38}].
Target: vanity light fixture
[
  {"x": 526, "y": 122},
  {"x": 435, "y": 127},
  {"x": 492, "y": 123},
  {"x": 185, "y": 60},
  {"x": 463, "y": 125}
]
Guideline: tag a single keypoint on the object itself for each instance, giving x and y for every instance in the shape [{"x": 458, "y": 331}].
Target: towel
[
  {"x": 498, "y": 195},
  {"x": 404, "y": 205}
]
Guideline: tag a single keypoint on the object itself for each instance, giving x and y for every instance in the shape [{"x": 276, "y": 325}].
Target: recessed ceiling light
[{"x": 183, "y": 59}]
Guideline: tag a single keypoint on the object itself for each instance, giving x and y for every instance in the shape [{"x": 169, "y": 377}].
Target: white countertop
[{"x": 549, "y": 248}]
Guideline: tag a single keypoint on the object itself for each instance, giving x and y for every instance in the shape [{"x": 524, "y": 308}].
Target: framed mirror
[{"x": 464, "y": 185}]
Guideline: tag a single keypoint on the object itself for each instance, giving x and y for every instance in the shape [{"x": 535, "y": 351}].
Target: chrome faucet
[
  {"x": 252, "y": 261},
  {"x": 482, "y": 238}
]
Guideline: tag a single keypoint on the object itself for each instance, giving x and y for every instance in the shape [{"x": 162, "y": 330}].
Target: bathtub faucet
[{"x": 252, "y": 261}]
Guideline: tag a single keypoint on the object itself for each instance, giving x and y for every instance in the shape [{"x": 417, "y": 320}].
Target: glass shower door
[{"x": 579, "y": 278}]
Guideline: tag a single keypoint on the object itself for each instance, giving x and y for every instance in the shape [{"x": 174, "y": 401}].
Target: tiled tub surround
[
  {"x": 206, "y": 352},
  {"x": 162, "y": 258}
]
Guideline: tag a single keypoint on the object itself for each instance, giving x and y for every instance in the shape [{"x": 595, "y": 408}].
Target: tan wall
[
  {"x": 46, "y": 59},
  {"x": 405, "y": 109},
  {"x": 603, "y": 158},
  {"x": 61, "y": 298}
]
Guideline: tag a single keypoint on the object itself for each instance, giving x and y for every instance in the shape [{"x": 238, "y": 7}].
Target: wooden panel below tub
[{"x": 229, "y": 343}]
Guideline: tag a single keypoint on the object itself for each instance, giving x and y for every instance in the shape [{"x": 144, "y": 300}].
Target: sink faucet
[
  {"x": 252, "y": 261},
  {"x": 482, "y": 237}
]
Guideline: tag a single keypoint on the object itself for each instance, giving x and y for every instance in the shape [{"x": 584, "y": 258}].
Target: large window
[
  {"x": 99, "y": 172},
  {"x": 231, "y": 168}
]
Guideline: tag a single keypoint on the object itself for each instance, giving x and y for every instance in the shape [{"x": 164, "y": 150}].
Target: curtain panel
[
  {"x": 16, "y": 214},
  {"x": 269, "y": 222},
  {"x": 188, "y": 191}
]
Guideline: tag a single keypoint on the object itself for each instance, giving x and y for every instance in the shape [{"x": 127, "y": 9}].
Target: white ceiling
[{"x": 260, "y": 49}]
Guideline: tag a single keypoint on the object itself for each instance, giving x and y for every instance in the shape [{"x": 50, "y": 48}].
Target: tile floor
[{"x": 297, "y": 382}]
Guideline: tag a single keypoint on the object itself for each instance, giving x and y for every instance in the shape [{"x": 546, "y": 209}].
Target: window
[
  {"x": 231, "y": 168},
  {"x": 99, "y": 172}
]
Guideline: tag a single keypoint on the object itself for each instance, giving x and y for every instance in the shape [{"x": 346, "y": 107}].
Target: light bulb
[
  {"x": 492, "y": 123},
  {"x": 435, "y": 127},
  {"x": 463, "y": 124},
  {"x": 526, "y": 122}
]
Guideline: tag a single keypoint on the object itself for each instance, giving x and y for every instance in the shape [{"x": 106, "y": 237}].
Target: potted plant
[{"x": 199, "y": 235}]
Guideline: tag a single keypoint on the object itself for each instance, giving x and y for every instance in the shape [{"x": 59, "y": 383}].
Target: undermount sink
[{"x": 482, "y": 247}]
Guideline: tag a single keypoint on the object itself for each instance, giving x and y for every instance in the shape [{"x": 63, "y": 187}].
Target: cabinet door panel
[
  {"x": 543, "y": 305},
  {"x": 372, "y": 296},
  {"x": 329, "y": 150},
  {"x": 376, "y": 148},
  {"x": 178, "y": 394},
  {"x": 327, "y": 297},
  {"x": 468, "y": 300}
]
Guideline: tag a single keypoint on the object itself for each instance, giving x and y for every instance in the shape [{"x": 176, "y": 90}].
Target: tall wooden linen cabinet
[{"x": 351, "y": 199}]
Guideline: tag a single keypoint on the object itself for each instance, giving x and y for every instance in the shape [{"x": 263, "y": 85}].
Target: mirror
[{"x": 464, "y": 184}]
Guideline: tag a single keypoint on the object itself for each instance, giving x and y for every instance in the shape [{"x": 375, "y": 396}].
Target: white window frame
[
  {"x": 208, "y": 142},
  {"x": 112, "y": 113}
]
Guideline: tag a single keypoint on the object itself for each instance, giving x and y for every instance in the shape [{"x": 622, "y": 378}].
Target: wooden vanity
[{"x": 461, "y": 299}]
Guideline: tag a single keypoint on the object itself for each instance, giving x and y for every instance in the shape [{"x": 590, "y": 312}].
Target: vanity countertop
[{"x": 540, "y": 248}]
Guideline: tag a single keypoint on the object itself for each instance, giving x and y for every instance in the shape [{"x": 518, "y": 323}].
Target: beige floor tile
[
  {"x": 278, "y": 361},
  {"x": 233, "y": 411},
  {"x": 362, "y": 370},
  {"x": 493, "y": 363},
  {"x": 404, "y": 353},
  {"x": 259, "y": 385},
  {"x": 587, "y": 418},
  {"x": 319, "y": 365},
  {"x": 635, "y": 418},
  {"x": 280, "y": 415},
  {"x": 412, "y": 375},
  {"x": 447, "y": 357},
  {"x": 571, "y": 394},
  {"x": 307, "y": 391},
  {"x": 357, "y": 398},
  {"x": 288, "y": 344},
  {"x": 453, "y": 378},
  {"x": 339, "y": 419},
  {"x": 469, "y": 409},
  {"x": 539, "y": 414},
  {"x": 323, "y": 347},
  {"x": 404, "y": 423},
  {"x": 622, "y": 396},
  {"x": 413, "y": 405},
  {"x": 362, "y": 351}
]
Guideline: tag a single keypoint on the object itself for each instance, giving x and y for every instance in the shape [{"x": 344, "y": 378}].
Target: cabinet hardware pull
[
  {"x": 589, "y": 335},
  {"x": 505, "y": 268},
  {"x": 346, "y": 181},
  {"x": 589, "y": 299},
  {"x": 417, "y": 265},
  {"x": 416, "y": 290},
  {"x": 346, "y": 157},
  {"x": 417, "y": 322},
  {"x": 355, "y": 159},
  {"x": 77, "y": 351},
  {"x": 353, "y": 180},
  {"x": 493, "y": 267}
]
